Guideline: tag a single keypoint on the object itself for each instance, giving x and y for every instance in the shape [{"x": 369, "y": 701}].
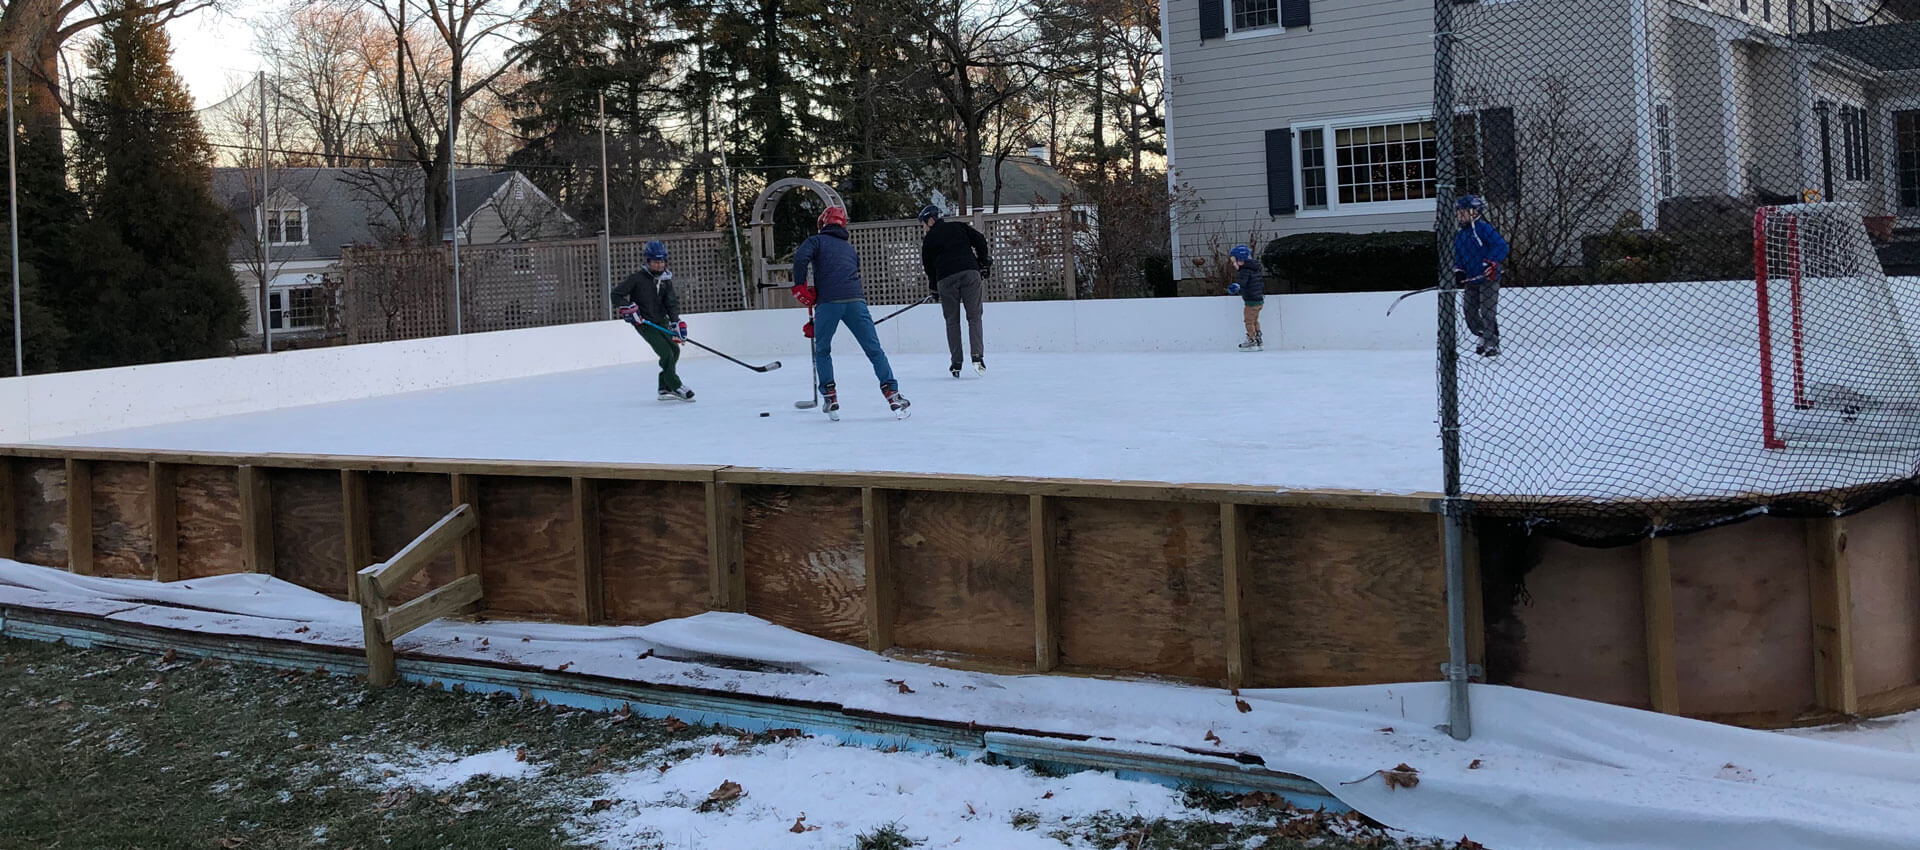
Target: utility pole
[
  {"x": 606, "y": 214},
  {"x": 13, "y": 224},
  {"x": 453, "y": 206},
  {"x": 266, "y": 228}
]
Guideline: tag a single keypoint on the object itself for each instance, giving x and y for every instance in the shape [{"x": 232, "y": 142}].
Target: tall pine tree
[{"x": 159, "y": 285}]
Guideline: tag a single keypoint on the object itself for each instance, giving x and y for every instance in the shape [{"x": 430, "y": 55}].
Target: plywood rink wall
[{"x": 1207, "y": 584}]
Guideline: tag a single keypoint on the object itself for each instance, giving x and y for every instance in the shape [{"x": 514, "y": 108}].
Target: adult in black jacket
[
  {"x": 956, "y": 259},
  {"x": 646, "y": 300}
]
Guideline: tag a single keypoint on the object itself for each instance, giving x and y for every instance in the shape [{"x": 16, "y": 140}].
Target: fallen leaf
[
  {"x": 233, "y": 841},
  {"x": 483, "y": 641},
  {"x": 1386, "y": 729},
  {"x": 800, "y": 824},
  {"x": 1211, "y": 738},
  {"x": 600, "y": 805},
  {"x": 728, "y": 792},
  {"x": 1242, "y": 705},
  {"x": 1047, "y": 796},
  {"x": 168, "y": 659},
  {"x": 1262, "y": 800},
  {"x": 562, "y": 668},
  {"x": 1469, "y": 844},
  {"x": 525, "y": 639},
  {"x": 674, "y": 725},
  {"x": 644, "y": 655},
  {"x": 970, "y": 811},
  {"x": 783, "y": 734},
  {"x": 300, "y": 631},
  {"x": 1402, "y": 776},
  {"x": 1475, "y": 765},
  {"x": 392, "y": 799},
  {"x": 520, "y": 754},
  {"x": 903, "y": 685}
]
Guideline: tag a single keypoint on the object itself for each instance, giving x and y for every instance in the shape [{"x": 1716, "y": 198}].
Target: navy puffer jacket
[{"x": 829, "y": 261}]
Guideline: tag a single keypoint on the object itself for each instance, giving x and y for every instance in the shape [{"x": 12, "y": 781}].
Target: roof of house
[
  {"x": 345, "y": 206},
  {"x": 1025, "y": 181},
  {"x": 1889, "y": 47}
]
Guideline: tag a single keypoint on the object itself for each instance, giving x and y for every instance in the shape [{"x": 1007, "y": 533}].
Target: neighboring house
[
  {"x": 1289, "y": 116},
  {"x": 1029, "y": 183},
  {"x": 310, "y": 214}
]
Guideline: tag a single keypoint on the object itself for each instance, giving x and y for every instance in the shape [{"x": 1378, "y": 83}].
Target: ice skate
[
  {"x": 979, "y": 367},
  {"x": 679, "y": 394},
  {"x": 954, "y": 368},
  {"x": 896, "y": 401},
  {"x": 830, "y": 402}
]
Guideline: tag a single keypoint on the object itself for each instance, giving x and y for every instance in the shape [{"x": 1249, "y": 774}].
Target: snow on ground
[
  {"x": 441, "y": 771},
  {"x": 1540, "y": 771}
]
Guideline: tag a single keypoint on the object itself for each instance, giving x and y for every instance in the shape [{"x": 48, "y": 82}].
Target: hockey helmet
[
  {"x": 833, "y": 215},
  {"x": 1470, "y": 203},
  {"x": 655, "y": 250},
  {"x": 1241, "y": 253},
  {"x": 929, "y": 213}
]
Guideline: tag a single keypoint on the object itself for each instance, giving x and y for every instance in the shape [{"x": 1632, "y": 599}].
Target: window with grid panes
[
  {"x": 1384, "y": 162},
  {"x": 1254, "y": 14},
  {"x": 1313, "y": 169},
  {"x": 1907, "y": 145}
]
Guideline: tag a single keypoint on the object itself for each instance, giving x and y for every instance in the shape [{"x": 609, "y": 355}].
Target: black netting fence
[{"x": 1683, "y": 302}]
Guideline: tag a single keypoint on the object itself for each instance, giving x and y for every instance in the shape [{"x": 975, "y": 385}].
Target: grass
[{"x": 112, "y": 749}]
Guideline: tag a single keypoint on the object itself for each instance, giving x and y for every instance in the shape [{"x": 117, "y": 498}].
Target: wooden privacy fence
[
  {"x": 407, "y": 293},
  {"x": 382, "y": 624}
]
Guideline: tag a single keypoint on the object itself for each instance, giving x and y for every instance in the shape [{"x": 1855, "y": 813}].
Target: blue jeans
[{"x": 826, "y": 318}]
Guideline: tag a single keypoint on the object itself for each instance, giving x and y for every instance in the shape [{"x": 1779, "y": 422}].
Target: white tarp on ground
[{"x": 1541, "y": 771}]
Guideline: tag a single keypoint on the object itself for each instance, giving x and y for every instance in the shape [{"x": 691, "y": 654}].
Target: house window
[
  {"x": 1380, "y": 163},
  {"x": 1906, "y": 129},
  {"x": 1664, "y": 179},
  {"x": 1255, "y": 14},
  {"x": 286, "y": 227},
  {"x": 1313, "y": 169},
  {"x": 295, "y": 308},
  {"x": 1853, "y": 141}
]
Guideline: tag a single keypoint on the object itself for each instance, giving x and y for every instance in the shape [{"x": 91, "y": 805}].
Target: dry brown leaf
[
  {"x": 562, "y": 668},
  {"x": 674, "y": 725},
  {"x": 168, "y": 659},
  {"x": 644, "y": 655},
  {"x": 1242, "y": 705},
  {"x": 600, "y": 805},
  {"x": 1475, "y": 765},
  {"x": 232, "y": 841},
  {"x": 1212, "y": 738},
  {"x": 1263, "y": 799},
  {"x": 970, "y": 811},
  {"x": 783, "y": 734},
  {"x": 301, "y": 631},
  {"x": 903, "y": 685},
  {"x": 520, "y": 754},
  {"x": 1047, "y": 796},
  {"x": 728, "y": 792},
  {"x": 1469, "y": 844},
  {"x": 1402, "y": 776}
]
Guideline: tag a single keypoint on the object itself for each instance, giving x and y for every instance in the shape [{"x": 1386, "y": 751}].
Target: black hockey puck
[{"x": 764, "y": 413}]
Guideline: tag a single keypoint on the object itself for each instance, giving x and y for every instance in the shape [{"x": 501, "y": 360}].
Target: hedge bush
[{"x": 1350, "y": 262}]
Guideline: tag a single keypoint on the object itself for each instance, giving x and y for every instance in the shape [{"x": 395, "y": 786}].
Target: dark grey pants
[
  {"x": 958, "y": 290},
  {"x": 1482, "y": 301}
]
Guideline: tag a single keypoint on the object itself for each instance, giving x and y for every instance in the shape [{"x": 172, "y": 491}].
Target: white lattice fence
[
  {"x": 390, "y": 294},
  {"x": 705, "y": 273}
]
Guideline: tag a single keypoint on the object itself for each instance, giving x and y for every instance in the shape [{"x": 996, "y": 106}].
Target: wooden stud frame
[
  {"x": 726, "y": 546},
  {"x": 1041, "y": 525},
  {"x": 877, "y": 542},
  {"x": 586, "y": 525},
  {"x": 163, "y": 504},
  {"x": 256, "y": 519},
  {"x": 1656, "y": 593},
  {"x": 9, "y": 511},
  {"x": 358, "y": 531},
  {"x": 1832, "y": 592},
  {"x": 79, "y": 517},
  {"x": 1234, "y": 553}
]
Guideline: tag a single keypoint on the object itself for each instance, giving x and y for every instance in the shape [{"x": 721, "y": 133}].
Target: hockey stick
[
  {"x": 767, "y": 368},
  {"x": 809, "y": 405},
  {"x": 1396, "y": 301},
  {"x": 905, "y": 309}
]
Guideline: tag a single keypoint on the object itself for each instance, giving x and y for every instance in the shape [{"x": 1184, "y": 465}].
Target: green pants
[{"x": 664, "y": 346}]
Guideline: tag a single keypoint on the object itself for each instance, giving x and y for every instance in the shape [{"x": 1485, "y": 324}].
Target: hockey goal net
[{"x": 1838, "y": 368}]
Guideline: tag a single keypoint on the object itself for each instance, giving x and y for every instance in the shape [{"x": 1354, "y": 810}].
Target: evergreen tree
[
  {"x": 49, "y": 211},
  {"x": 157, "y": 283}
]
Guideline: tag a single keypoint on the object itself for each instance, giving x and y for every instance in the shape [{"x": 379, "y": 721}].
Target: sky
[{"x": 213, "y": 50}]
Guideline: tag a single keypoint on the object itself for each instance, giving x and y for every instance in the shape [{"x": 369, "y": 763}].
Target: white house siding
[
  {"x": 1359, "y": 58},
  {"x": 1839, "y": 86}
]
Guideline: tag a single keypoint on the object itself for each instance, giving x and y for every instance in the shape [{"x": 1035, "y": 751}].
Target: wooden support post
[
  {"x": 9, "y": 511},
  {"x": 586, "y": 541},
  {"x": 1656, "y": 594},
  {"x": 353, "y": 512},
  {"x": 1046, "y": 616},
  {"x": 79, "y": 517},
  {"x": 1834, "y": 687},
  {"x": 163, "y": 515},
  {"x": 373, "y": 606},
  {"x": 726, "y": 546},
  {"x": 256, "y": 520},
  {"x": 877, "y": 539},
  {"x": 466, "y": 553},
  {"x": 1233, "y": 557}
]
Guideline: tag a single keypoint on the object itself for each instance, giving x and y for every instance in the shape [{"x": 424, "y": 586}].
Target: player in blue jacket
[
  {"x": 1252, "y": 289},
  {"x": 826, "y": 278},
  {"x": 1478, "y": 251}
]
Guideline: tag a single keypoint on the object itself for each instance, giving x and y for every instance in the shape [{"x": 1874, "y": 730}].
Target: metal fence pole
[
  {"x": 266, "y": 229},
  {"x": 13, "y": 225},
  {"x": 606, "y": 217},
  {"x": 453, "y": 207},
  {"x": 1459, "y": 713}
]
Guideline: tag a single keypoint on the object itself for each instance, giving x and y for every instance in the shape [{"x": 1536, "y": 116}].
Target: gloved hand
[
  {"x": 1233, "y": 288},
  {"x": 630, "y": 313},
  {"x": 806, "y": 295},
  {"x": 986, "y": 271},
  {"x": 806, "y": 330},
  {"x": 1492, "y": 274},
  {"x": 682, "y": 327},
  {"x": 1459, "y": 278}
]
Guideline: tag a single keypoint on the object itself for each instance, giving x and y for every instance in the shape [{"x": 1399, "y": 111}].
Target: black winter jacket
[
  {"x": 1253, "y": 285},
  {"x": 952, "y": 247},
  {"x": 656, "y": 299}
]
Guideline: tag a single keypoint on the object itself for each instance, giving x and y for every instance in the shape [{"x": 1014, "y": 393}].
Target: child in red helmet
[{"x": 826, "y": 277}]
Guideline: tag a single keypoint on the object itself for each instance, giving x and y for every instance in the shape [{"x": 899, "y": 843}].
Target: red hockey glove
[
  {"x": 805, "y": 294},
  {"x": 630, "y": 313},
  {"x": 683, "y": 329},
  {"x": 1492, "y": 274},
  {"x": 806, "y": 330}
]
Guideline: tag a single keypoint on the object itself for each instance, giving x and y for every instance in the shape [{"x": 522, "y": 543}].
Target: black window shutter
[
  {"x": 1213, "y": 19},
  {"x": 1296, "y": 13},
  {"x": 1280, "y": 172},
  {"x": 1499, "y": 155}
]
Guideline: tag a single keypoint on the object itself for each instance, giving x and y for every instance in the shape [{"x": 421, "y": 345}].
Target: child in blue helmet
[
  {"x": 647, "y": 301},
  {"x": 1252, "y": 289},
  {"x": 1478, "y": 251}
]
